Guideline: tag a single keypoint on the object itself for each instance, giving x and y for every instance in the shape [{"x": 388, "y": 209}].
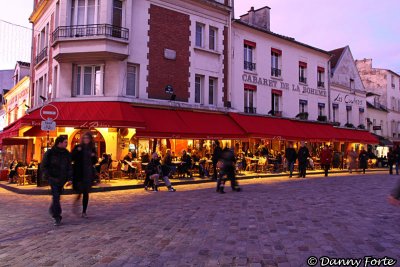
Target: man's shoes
[
  {"x": 171, "y": 189},
  {"x": 146, "y": 188},
  {"x": 57, "y": 221},
  {"x": 84, "y": 215}
]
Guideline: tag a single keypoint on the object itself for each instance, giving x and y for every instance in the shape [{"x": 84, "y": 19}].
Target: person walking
[
  {"x": 291, "y": 156},
  {"x": 216, "y": 156},
  {"x": 228, "y": 171},
  {"x": 396, "y": 153},
  {"x": 352, "y": 160},
  {"x": 363, "y": 159},
  {"x": 84, "y": 158},
  {"x": 302, "y": 156},
  {"x": 391, "y": 158},
  {"x": 57, "y": 169},
  {"x": 326, "y": 159}
]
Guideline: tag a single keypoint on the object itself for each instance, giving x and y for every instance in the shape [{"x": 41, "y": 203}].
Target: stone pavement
[{"x": 273, "y": 222}]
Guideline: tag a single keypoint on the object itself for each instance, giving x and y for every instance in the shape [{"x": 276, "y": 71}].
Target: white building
[
  {"x": 274, "y": 74},
  {"x": 386, "y": 84},
  {"x": 347, "y": 92}
]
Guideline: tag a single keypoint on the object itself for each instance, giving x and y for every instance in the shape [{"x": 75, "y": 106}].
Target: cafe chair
[
  {"x": 262, "y": 165},
  {"x": 104, "y": 173},
  {"x": 249, "y": 165},
  {"x": 140, "y": 173},
  {"x": 21, "y": 176},
  {"x": 115, "y": 171}
]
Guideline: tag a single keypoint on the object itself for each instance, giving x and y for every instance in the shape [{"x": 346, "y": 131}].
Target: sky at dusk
[{"x": 371, "y": 28}]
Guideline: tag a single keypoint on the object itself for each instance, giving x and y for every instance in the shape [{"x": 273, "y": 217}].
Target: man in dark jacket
[
  {"x": 228, "y": 169},
  {"x": 216, "y": 156},
  {"x": 303, "y": 155},
  {"x": 390, "y": 158},
  {"x": 291, "y": 157},
  {"x": 57, "y": 168}
]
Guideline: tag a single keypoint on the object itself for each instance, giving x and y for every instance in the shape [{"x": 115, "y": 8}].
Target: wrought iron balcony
[
  {"x": 41, "y": 56},
  {"x": 302, "y": 79},
  {"x": 249, "y": 65},
  {"x": 250, "y": 110},
  {"x": 275, "y": 72},
  {"x": 91, "y": 30},
  {"x": 321, "y": 84}
]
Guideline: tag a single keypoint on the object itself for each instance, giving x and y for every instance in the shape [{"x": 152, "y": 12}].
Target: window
[
  {"x": 361, "y": 116},
  {"x": 320, "y": 77},
  {"x": 302, "y": 72},
  {"x": 393, "y": 82},
  {"x": 84, "y": 12},
  {"x": 335, "y": 112},
  {"x": 321, "y": 109},
  {"x": 393, "y": 103},
  {"x": 348, "y": 114},
  {"x": 57, "y": 16},
  {"x": 42, "y": 43},
  {"x": 374, "y": 124},
  {"x": 276, "y": 100},
  {"x": 249, "y": 56},
  {"x": 198, "y": 90},
  {"x": 249, "y": 99},
  {"x": 393, "y": 128},
  {"x": 212, "y": 91},
  {"x": 303, "y": 106},
  {"x": 131, "y": 80},
  {"x": 212, "y": 38},
  {"x": 55, "y": 81},
  {"x": 352, "y": 84},
  {"x": 199, "y": 34},
  {"x": 88, "y": 80},
  {"x": 275, "y": 62},
  {"x": 117, "y": 13}
]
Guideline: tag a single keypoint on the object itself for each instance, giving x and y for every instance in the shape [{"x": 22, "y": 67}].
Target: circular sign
[{"x": 49, "y": 112}]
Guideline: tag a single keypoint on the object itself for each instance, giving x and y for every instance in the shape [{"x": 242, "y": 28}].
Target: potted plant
[
  {"x": 302, "y": 116},
  {"x": 321, "y": 118},
  {"x": 349, "y": 125},
  {"x": 336, "y": 123},
  {"x": 361, "y": 126}
]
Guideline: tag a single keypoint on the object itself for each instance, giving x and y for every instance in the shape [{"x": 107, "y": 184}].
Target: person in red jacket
[{"x": 326, "y": 159}]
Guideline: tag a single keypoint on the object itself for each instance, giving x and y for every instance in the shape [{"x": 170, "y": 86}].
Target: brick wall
[{"x": 168, "y": 29}]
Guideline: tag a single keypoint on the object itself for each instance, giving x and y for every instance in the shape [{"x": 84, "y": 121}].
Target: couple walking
[{"x": 58, "y": 170}]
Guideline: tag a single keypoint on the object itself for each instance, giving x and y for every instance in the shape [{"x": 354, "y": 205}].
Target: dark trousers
[
  {"x": 302, "y": 169},
  {"x": 396, "y": 191},
  {"x": 230, "y": 174},
  {"x": 55, "y": 207},
  {"x": 84, "y": 193},
  {"x": 390, "y": 167},
  {"x": 326, "y": 168}
]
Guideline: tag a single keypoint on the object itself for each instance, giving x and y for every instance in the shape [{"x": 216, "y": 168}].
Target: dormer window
[{"x": 352, "y": 85}]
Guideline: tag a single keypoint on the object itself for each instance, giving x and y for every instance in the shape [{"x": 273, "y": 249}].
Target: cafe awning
[
  {"x": 187, "y": 124},
  {"x": 266, "y": 127},
  {"x": 353, "y": 135},
  {"x": 91, "y": 115}
]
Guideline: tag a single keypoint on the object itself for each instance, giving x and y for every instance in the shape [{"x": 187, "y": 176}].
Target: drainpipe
[
  {"x": 229, "y": 81},
  {"x": 329, "y": 89}
]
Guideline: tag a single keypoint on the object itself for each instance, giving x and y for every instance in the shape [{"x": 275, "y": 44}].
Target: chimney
[{"x": 259, "y": 18}]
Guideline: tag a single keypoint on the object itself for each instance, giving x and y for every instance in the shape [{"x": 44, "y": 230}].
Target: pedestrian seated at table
[
  {"x": 13, "y": 172},
  {"x": 186, "y": 164},
  {"x": 167, "y": 161},
  {"x": 154, "y": 170}
]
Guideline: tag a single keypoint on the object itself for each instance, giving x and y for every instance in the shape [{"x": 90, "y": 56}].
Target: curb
[{"x": 46, "y": 191}]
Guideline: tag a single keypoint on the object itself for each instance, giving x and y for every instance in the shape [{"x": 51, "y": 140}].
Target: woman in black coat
[
  {"x": 363, "y": 159},
  {"x": 84, "y": 158}
]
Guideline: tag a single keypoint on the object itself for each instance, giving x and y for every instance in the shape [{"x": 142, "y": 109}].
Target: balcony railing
[
  {"x": 249, "y": 65},
  {"x": 41, "y": 56},
  {"x": 302, "y": 79},
  {"x": 82, "y": 31},
  {"x": 321, "y": 84},
  {"x": 251, "y": 110},
  {"x": 275, "y": 72}
]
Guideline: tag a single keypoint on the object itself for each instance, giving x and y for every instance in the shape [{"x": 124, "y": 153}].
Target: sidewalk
[{"x": 126, "y": 184}]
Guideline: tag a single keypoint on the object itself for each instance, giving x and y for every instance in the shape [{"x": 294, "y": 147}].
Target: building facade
[
  {"x": 347, "y": 92},
  {"x": 276, "y": 75},
  {"x": 385, "y": 84}
]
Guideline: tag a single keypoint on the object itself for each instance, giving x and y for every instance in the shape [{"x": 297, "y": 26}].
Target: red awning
[
  {"x": 352, "y": 135},
  {"x": 168, "y": 123},
  {"x": 313, "y": 131},
  {"x": 10, "y": 131},
  {"x": 91, "y": 114},
  {"x": 265, "y": 127}
]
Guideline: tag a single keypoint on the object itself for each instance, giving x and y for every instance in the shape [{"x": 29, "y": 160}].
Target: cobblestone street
[{"x": 273, "y": 222}]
